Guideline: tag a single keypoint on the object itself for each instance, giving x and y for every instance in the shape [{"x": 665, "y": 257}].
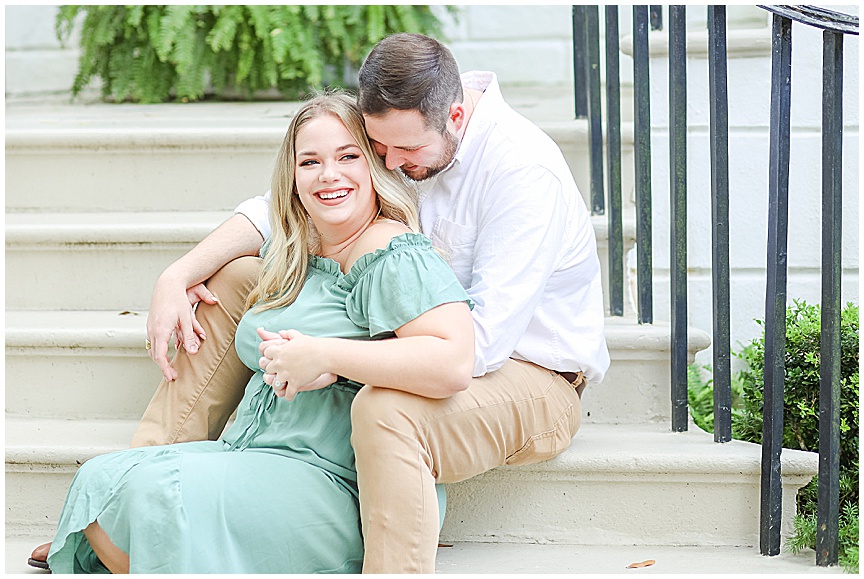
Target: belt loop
[{"x": 576, "y": 379}]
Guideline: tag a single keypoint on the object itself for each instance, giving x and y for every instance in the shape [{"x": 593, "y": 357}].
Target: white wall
[
  {"x": 749, "y": 99},
  {"x": 36, "y": 63}
]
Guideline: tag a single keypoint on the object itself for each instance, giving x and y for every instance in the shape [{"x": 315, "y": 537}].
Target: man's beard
[{"x": 443, "y": 162}]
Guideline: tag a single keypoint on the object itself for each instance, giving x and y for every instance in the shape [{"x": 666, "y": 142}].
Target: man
[{"x": 497, "y": 196}]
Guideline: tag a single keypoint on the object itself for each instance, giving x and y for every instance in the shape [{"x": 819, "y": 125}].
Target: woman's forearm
[
  {"x": 432, "y": 356},
  {"x": 425, "y": 365}
]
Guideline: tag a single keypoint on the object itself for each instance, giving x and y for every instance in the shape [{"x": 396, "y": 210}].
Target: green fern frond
[
  {"x": 403, "y": 17},
  {"x": 64, "y": 22},
  {"x": 191, "y": 79},
  {"x": 105, "y": 25},
  {"x": 134, "y": 16},
  {"x": 259, "y": 17},
  {"x": 153, "y": 25},
  {"x": 120, "y": 65},
  {"x": 173, "y": 21},
  {"x": 221, "y": 37},
  {"x": 185, "y": 51},
  {"x": 247, "y": 58},
  {"x": 376, "y": 24},
  {"x": 153, "y": 53},
  {"x": 311, "y": 13}
]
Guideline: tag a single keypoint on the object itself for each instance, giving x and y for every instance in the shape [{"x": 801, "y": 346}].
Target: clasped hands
[{"x": 290, "y": 360}]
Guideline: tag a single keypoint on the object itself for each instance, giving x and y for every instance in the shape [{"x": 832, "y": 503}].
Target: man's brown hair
[{"x": 410, "y": 72}]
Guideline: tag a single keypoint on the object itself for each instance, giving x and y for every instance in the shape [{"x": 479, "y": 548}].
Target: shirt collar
[{"x": 483, "y": 111}]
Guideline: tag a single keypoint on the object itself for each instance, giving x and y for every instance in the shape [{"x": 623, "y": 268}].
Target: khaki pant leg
[
  {"x": 211, "y": 382},
  {"x": 404, "y": 444}
]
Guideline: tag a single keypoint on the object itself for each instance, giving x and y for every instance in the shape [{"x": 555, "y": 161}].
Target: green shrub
[
  {"x": 805, "y": 535},
  {"x": 800, "y": 413},
  {"x": 700, "y": 395},
  {"x": 801, "y": 388},
  {"x": 148, "y": 53}
]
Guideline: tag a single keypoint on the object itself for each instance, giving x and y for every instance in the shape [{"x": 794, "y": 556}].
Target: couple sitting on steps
[{"x": 377, "y": 361}]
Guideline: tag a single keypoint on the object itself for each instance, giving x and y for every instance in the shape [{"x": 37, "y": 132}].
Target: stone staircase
[{"x": 100, "y": 198}]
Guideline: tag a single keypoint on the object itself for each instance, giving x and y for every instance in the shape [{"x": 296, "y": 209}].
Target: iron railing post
[
  {"x": 580, "y": 80},
  {"x": 678, "y": 214},
  {"x": 719, "y": 129},
  {"x": 656, "y": 16},
  {"x": 775, "y": 294},
  {"x": 828, "y": 494},
  {"x": 613, "y": 164},
  {"x": 642, "y": 146},
  {"x": 595, "y": 119}
]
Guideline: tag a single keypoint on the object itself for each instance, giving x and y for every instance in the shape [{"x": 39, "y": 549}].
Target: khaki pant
[
  {"x": 209, "y": 384},
  {"x": 403, "y": 443}
]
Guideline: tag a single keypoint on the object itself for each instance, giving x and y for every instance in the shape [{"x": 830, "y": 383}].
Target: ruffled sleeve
[{"x": 393, "y": 286}]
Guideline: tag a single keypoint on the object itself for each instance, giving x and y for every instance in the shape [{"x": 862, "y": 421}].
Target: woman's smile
[{"x": 333, "y": 196}]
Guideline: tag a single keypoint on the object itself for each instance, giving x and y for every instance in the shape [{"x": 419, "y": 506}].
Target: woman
[{"x": 342, "y": 272}]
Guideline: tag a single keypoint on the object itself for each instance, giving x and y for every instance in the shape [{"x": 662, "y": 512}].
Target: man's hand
[
  {"x": 287, "y": 357},
  {"x": 171, "y": 312}
]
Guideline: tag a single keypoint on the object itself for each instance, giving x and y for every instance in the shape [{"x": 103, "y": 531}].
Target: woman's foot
[{"x": 39, "y": 556}]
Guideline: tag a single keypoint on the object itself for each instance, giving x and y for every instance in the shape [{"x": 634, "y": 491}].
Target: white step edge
[
  {"x": 741, "y": 43},
  {"x": 94, "y": 348},
  {"x": 56, "y": 444},
  {"x": 64, "y": 229},
  {"x": 76, "y": 329},
  {"x": 211, "y": 155},
  {"x": 46, "y": 251},
  {"x": 622, "y": 484},
  {"x": 638, "y": 449},
  {"x": 153, "y": 227}
]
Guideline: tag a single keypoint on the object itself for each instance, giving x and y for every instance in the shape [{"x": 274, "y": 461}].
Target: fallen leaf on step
[
  {"x": 444, "y": 545},
  {"x": 128, "y": 313},
  {"x": 647, "y": 563}
]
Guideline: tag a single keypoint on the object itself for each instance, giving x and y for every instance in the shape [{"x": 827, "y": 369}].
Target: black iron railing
[{"x": 587, "y": 83}]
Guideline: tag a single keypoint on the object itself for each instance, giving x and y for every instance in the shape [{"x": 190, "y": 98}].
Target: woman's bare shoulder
[{"x": 379, "y": 234}]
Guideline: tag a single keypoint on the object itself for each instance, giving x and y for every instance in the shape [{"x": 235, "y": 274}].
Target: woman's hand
[{"x": 292, "y": 363}]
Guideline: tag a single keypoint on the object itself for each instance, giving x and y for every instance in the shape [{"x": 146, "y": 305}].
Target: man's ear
[{"x": 457, "y": 115}]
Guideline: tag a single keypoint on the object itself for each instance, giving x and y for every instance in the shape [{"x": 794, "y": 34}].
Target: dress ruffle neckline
[{"x": 365, "y": 261}]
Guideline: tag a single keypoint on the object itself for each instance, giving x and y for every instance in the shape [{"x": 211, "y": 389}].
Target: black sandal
[{"x": 38, "y": 564}]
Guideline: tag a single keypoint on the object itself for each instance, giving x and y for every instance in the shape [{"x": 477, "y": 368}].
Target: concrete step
[
  {"x": 41, "y": 459},
  {"x": 627, "y": 484},
  {"x": 141, "y": 157},
  {"x": 615, "y": 485},
  {"x": 93, "y": 365},
  {"x": 206, "y": 156},
  {"x": 78, "y": 365},
  {"x": 509, "y": 558},
  {"x": 82, "y": 261},
  {"x": 514, "y": 558}
]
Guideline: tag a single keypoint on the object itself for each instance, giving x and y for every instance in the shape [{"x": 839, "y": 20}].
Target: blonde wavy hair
[{"x": 293, "y": 236}]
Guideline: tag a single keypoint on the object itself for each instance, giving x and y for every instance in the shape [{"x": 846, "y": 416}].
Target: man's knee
[{"x": 378, "y": 412}]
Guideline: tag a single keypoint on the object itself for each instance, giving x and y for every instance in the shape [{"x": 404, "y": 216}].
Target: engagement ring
[
  {"x": 148, "y": 345},
  {"x": 277, "y": 383}
]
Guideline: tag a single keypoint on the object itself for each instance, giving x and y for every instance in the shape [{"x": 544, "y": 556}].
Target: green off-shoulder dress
[{"x": 277, "y": 493}]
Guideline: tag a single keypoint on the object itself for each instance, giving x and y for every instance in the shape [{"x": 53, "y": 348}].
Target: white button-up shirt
[{"x": 510, "y": 219}]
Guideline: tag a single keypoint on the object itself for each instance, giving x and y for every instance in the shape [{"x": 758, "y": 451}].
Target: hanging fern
[{"x": 148, "y": 54}]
